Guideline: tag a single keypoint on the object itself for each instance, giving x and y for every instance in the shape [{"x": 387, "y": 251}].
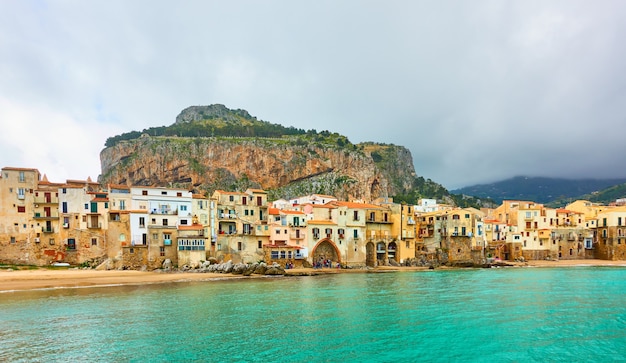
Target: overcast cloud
[{"x": 479, "y": 91}]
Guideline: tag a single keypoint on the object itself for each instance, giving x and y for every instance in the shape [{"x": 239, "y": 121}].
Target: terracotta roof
[
  {"x": 291, "y": 212},
  {"x": 273, "y": 211},
  {"x": 100, "y": 200},
  {"x": 198, "y": 196}
]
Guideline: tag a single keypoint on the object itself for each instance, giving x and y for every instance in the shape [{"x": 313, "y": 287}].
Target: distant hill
[
  {"x": 604, "y": 196},
  {"x": 539, "y": 189}
]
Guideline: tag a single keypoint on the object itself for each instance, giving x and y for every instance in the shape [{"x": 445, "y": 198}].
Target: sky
[{"x": 478, "y": 91}]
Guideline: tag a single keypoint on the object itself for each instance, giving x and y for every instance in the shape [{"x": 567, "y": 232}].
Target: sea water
[{"x": 475, "y": 315}]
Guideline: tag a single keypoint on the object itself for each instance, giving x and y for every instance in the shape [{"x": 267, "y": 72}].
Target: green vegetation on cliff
[{"x": 219, "y": 121}]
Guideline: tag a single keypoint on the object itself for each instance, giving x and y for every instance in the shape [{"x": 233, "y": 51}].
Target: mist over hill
[{"x": 538, "y": 189}]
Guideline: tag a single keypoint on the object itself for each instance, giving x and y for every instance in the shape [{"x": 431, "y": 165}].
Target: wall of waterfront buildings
[{"x": 137, "y": 227}]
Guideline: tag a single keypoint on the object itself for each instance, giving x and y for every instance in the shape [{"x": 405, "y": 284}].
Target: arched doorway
[
  {"x": 391, "y": 250},
  {"x": 326, "y": 250},
  {"x": 370, "y": 255},
  {"x": 381, "y": 252}
]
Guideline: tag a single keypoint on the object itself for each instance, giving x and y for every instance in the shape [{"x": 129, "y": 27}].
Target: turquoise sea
[{"x": 475, "y": 315}]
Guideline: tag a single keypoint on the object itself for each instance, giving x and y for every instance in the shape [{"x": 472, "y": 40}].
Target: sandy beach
[{"x": 19, "y": 280}]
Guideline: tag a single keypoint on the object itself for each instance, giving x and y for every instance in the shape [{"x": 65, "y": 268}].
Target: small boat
[{"x": 61, "y": 264}]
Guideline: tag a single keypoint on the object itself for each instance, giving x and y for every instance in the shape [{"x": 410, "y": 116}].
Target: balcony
[
  {"x": 227, "y": 215},
  {"x": 47, "y": 229},
  {"x": 165, "y": 212},
  {"x": 43, "y": 216},
  {"x": 94, "y": 225},
  {"x": 375, "y": 220},
  {"x": 46, "y": 200}
]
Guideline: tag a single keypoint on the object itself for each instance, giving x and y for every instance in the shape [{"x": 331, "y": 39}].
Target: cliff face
[{"x": 209, "y": 163}]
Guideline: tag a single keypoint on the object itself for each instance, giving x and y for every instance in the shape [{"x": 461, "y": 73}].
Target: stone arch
[
  {"x": 370, "y": 254},
  {"x": 326, "y": 249}
]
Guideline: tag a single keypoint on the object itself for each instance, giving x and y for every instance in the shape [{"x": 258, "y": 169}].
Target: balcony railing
[
  {"x": 43, "y": 200},
  {"x": 47, "y": 229},
  {"x": 46, "y": 216}
]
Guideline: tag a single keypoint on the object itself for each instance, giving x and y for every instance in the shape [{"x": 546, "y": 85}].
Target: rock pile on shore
[{"x": 245, "y": 269}]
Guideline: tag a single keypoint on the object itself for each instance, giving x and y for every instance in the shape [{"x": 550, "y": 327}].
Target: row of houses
[{"x": 81, "y": 222}]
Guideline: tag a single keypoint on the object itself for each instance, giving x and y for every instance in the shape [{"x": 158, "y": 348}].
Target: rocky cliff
[{"x": 286, "y": 166}]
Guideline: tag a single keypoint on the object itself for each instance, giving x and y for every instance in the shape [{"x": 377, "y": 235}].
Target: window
[
  {"x": 316, "y": 233},
  {"x": 21, "y": 209},
  {"x": 71, "y": 244},
  {"x": 64, "y": 207},
  {"x": 219, "y": 246},
  {"x": 22, "y": 176},
  {"x": 155, "y": 236},
  {"x": 283, "y": 254},
  {"x": 183, "y": 208},
  {"x": 12, "y": 240},
  {"x": 183, "y": 221},
  {"x": 355, "y": 233},
  {"x": 239, "y": 246},
  {"x": 20, "y": 193},
  {"x": 355, "y": 216},
  {"x": 259, "y": 244},
  {"x": 51, "y": 241},
  {"x": 64, "y": 190},
  {"x": 179, "y": 194},
  {"x": 122, "y": 237},
  {"x": 455, "y": 216},
  {"x": 245, "y": 212},
  {"x": 142, "y": 222},
  {"x": 244, "y": 200},
  {"x": 231, "y": 198},
  {"x": 162, "y": 251},
  {"x": 94, "y": 241},
  {"x": 165, "y": 221},
  {"x": 144, "y": 192},
  {"x": 274, "y": 255},
  {"x": 86, "y": 206}
]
